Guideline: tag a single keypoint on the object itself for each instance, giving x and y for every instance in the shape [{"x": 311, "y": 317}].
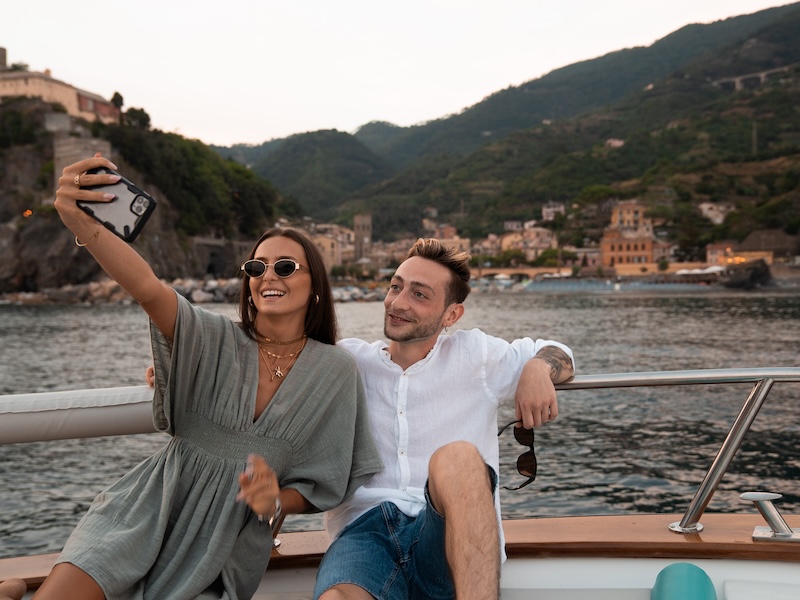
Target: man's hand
[{"x": 535, "y": 400}]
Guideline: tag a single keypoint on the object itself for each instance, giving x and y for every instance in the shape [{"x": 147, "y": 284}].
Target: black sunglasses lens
[
  {"x": 526, "y": 464},
  {"x": 254, "y": 268},
  {"x": 284, "y": 268},
  {"x": 523, "y": 436}
]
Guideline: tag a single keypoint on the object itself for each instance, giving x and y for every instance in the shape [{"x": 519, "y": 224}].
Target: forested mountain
[
  {"x": 563, "y": 93},
  {"x": 566, "y": 92},
  {"x": 323, "y": 168},
  {"x": 248, "y": 154},
  {"x": 544, "y": 140},
  {"x": 683, "y": 140},
  {"x": 646, "y": 122}
]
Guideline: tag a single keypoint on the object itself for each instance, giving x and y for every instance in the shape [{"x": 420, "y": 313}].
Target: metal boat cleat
[{"x": 778, "y": 530}]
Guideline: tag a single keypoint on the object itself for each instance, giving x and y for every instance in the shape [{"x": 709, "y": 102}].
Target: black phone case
[{"x": 127, "y": 213}]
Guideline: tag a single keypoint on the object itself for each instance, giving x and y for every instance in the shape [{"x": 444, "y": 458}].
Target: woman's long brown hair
[{"x": 320, "y": 322}]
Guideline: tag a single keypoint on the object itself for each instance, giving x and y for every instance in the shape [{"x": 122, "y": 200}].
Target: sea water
[{"x": 609, "y": 451}]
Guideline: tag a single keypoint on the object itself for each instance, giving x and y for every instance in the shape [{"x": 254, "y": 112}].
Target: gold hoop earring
[
  {"x": 250, "y": 301},
  {"x": 316, "y": 298}
]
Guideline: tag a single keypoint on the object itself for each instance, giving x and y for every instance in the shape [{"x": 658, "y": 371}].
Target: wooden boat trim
[
  {"x": 725, "y": 536},
  {"x": 644, "y": 536}
]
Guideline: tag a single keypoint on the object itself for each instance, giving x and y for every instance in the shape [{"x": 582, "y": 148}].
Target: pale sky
[{"x": 247, "y": 71}]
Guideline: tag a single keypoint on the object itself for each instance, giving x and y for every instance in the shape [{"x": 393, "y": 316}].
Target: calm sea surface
[{"x": 610, "y": 451}]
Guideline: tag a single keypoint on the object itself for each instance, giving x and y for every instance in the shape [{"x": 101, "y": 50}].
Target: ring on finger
[{"x": 77, "y": 180}]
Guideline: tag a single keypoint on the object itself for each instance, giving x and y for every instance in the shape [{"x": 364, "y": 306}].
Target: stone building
[
  {"x": 78, "y": 103},
  {"x": 629, "y": 238},
  {"x": 532, "y": 242}
]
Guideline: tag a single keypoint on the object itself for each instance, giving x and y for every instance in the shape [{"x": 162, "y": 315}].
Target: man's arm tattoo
[{"x": 559, "y": 361}]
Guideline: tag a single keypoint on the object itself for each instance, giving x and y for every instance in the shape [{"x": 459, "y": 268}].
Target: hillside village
[
  {"x": 630, "y": 247},
  {"x": 632, "y": 243}
]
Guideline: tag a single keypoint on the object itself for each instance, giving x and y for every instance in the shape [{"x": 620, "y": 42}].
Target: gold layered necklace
[
  {"x": 280, "y": 343},
  {"x": 272, "y": 360}
]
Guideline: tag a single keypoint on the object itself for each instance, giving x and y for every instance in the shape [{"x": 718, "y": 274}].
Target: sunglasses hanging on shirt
[{"x": 526, "y": 463}]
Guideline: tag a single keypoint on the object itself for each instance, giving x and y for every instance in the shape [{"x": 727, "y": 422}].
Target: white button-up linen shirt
[{"x": 452, "y": 394}]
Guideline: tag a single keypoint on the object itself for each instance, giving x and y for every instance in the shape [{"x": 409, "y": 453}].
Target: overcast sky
[{"x": 247, "y": 71}]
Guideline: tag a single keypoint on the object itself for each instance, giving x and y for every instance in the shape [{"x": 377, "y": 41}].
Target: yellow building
[
  {"x": 330, "y": 248},
  {"x": 629, "y": 239},
  {"x": 78, "y": 103}
]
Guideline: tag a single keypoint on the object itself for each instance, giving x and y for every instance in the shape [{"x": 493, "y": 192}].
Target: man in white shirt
[{"x": 428, "y": 525}]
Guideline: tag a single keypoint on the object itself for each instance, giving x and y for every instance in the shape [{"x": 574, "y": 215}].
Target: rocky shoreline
[
  {"x": 195, "y": 290},
  {"x": 200, "y": 291},
  {"x": 109, "y": 292}
]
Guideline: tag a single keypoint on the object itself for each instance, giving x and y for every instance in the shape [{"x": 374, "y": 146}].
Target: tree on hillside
[
  {"x": 117, "y": 101},
  {"x": 137, "y": 118}
]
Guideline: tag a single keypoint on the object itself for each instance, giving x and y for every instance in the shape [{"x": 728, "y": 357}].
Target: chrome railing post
[{"x": 690, "y": 522}]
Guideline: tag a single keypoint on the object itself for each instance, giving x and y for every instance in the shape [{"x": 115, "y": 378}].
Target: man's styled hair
[{"x": 456, "y": 261}]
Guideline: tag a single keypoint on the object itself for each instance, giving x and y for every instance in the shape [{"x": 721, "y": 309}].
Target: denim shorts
[{"x": 391, "y": 555}]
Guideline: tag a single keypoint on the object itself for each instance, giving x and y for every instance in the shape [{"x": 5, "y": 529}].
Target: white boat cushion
[{"x": 759, "y": 590}]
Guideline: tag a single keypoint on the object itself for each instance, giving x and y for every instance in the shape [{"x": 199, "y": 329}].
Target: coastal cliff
[{"x": 38, "y": 253}]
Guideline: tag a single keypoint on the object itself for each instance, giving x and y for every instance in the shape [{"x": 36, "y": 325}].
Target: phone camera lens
[{"x": 139, "y": 206}]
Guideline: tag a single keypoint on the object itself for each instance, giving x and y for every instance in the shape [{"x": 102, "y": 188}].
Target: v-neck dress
[{"x": 171, "y": 528}]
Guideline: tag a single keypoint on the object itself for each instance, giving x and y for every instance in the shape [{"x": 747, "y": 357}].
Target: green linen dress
[{"x": 172, "y": 528}]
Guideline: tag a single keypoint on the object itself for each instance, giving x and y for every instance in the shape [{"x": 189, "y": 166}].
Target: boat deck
[{"x": 551, "y": 545}]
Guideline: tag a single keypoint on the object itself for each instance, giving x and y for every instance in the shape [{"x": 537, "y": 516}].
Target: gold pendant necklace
[{"x": 275, "y": 369}]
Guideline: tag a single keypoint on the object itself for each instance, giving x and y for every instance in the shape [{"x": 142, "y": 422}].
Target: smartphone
[{"x": 127, "y": 213}]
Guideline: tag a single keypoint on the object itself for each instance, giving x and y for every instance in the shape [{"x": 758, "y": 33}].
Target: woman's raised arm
[{"x": 122, "y": 263}]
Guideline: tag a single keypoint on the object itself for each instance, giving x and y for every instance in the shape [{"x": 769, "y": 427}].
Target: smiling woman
[
  {"x": 243, "y": 449},
  {"x": 284, "y": 262}
]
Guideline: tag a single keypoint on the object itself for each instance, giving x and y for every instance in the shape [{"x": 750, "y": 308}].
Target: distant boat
[{"x": 747, "y": 276}]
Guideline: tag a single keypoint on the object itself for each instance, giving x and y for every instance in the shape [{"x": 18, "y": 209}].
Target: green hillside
[
  {"x": 210, "y": 195},
  {"x": 498, "y": 160},
  {"x": 563, "y": 93},
  {"x": 685, "y": 141},
  {"x": 322, "y": 168}
]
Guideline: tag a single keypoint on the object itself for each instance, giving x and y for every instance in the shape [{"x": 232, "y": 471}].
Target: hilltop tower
[{"x": 362, "y": 225}]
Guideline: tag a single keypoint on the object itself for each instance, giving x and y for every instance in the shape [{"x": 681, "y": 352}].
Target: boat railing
[
  {"x": 762, "y": 379},
  {"x": 128, "y": 410}
]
